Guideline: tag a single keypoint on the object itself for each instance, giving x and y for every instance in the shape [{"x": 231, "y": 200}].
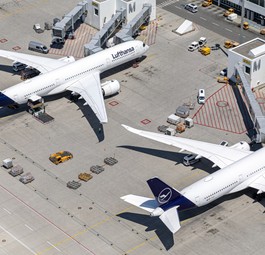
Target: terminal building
[
  {"x": 246, "y": 64},
  {"x": 251, "y": 58},
  {"x": 101, "y": 11},
  {"x": 254, "y": 9}
]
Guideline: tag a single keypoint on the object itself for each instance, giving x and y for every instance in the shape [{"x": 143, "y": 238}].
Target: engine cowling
[
  {"x": 157, "y": 212},
  {"x": 110, "y": 87},
  {"x": 68, "y": 59},
  {"x": 241, "y": 146}
]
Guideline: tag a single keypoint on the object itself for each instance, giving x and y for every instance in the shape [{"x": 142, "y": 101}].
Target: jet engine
[
  {"x": 110, "y": 87},
  {"x": 157, "y": 212},
  {"x": 68, "y": 59},
  {"x": 241, "y": 146}
]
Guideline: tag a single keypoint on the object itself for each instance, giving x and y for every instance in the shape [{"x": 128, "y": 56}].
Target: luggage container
[
  {"x": 16, "y": 170},
  {"x": 7, "y": 163},
  {"x": 173, "y": 119},
  {"x": 170, "y": 131},
  {"x": 189, "y": 122}
]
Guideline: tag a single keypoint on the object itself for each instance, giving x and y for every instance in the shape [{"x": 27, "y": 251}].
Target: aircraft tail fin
[
  {"x": 163, "y": 193},
  {"x": 171, "y": 219}
]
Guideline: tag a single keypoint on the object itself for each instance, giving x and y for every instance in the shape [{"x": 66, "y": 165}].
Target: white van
[
  {"x": 201, "y": 96},
  {"x": 191, "y": 7},
  {"x": 39, "y": 47},
  {"x": 193, "y": 46}
]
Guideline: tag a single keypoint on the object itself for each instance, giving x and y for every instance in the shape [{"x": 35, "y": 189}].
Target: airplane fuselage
[
  {"x": 57, "y": 81},
  {"x": 230, "y": 179}
]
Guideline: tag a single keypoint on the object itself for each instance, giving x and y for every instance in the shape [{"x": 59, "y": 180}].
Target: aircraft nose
[{"x": 5, "y": 100}]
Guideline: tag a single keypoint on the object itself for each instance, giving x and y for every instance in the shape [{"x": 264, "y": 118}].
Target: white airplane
[
  {"x": 239, "y": 168},
  {"x": 82, "y": 77}
]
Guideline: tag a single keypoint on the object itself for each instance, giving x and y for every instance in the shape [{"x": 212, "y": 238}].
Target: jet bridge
[
  {"x": 100, "y": 38},
  {"x": 65, "y": 27},
  {"x": 132, "y": 28},
  {"x": 126, "y": 34},
  {"x": 254, "y": 109}
]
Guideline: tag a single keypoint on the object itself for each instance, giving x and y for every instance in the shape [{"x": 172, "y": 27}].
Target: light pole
[{"x": 242, "y": 20}]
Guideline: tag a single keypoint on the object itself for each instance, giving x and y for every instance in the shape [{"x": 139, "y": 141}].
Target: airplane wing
[
  {"x": 220, "y": 155},
  {"x": 42, "y": 64},
  {"x": 145, "y": 203},
  {"x": 259, "y": 183},
  {"x": 89, "y": 88}
]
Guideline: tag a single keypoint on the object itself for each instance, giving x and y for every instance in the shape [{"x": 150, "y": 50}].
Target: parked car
[
  {"x": 191, "y": 7},
  {"x": 201, "y": 96},
  {"x": 224, "y": 72}
]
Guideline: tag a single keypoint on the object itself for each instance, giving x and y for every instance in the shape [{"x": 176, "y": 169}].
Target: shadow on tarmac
[{"x": 176, "y": 157}]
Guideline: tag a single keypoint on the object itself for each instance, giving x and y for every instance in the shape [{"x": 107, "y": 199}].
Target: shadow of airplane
[
  {"x": 176, "y": 157},
  {"x": 151, "y": 224}
]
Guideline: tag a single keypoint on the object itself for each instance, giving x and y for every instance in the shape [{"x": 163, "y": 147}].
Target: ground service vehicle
[
  {"x": 245, "y": 25},
  {"x": 39, "y": 47},
  {"x": 201, "y": 96},
  {"x": 207, "y": 3},
  {"x": 230, "y": 44},
  {"x": 29, "y": 73},
  {"x": 205, "y": 50},
  {"x": 228, "y": 12},
  {"x": 17, "y": 66},
  {"x": 224, "y": 72},
  {"x": 60, "y": 157},
  {"x": 191, "y": 7},
  {"x": 190, "y": 159},
  {"x": 193, "y": 46},
  {"x": 202, "y": 41},
  {"x": 85, "y": 177}
]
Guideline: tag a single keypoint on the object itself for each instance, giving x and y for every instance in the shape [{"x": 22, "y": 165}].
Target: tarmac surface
[{"x": 46, "y": 217}]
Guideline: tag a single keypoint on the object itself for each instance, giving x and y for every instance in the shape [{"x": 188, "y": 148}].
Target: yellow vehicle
[
  {"x": 230, "y": 44},
  {"x": 262, "y": 31},
  {"x": 60, "y": 157},
  {"x": 85, "y": 177},
  {"x": 207, "y": 3},
  {"x": 205, "y": 50},
  {"x": 143, "y": 27},
  {"x": 228, "y": 12},
  {"x": 245, "y": 25}
]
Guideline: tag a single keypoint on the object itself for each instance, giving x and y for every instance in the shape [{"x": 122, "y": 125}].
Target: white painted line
[
  {"x": 178, "y": 7},
  {"x": 228, "y": 30},
  {"x": 6, "y": 210},
  {"x": 54, "y": 246},
  {"x": 203, "y": 18},
  {"x": 33, "y": 252},
  {"x": 216, "y": 24},
  {"x": 28, "y": 227}
]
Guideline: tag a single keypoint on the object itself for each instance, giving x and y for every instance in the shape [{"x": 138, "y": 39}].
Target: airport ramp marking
[
  {"x": 24, "y": 245},
  {"x": 260, "y": 97},
  {"x": 222, "y": 112},
  {"x": 75, "y": 47},
  {"x": 150, "y": 33}
]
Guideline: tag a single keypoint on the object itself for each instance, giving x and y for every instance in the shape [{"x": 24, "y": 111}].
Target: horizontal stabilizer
[
  {"x": 171, "y": 219},
  {"x": 144, "y": 203}
]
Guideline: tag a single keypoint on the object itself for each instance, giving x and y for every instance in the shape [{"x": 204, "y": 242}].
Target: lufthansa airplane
[
  {"x": 82, "y": 77},
  {"x": 239, "y": 168}
]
